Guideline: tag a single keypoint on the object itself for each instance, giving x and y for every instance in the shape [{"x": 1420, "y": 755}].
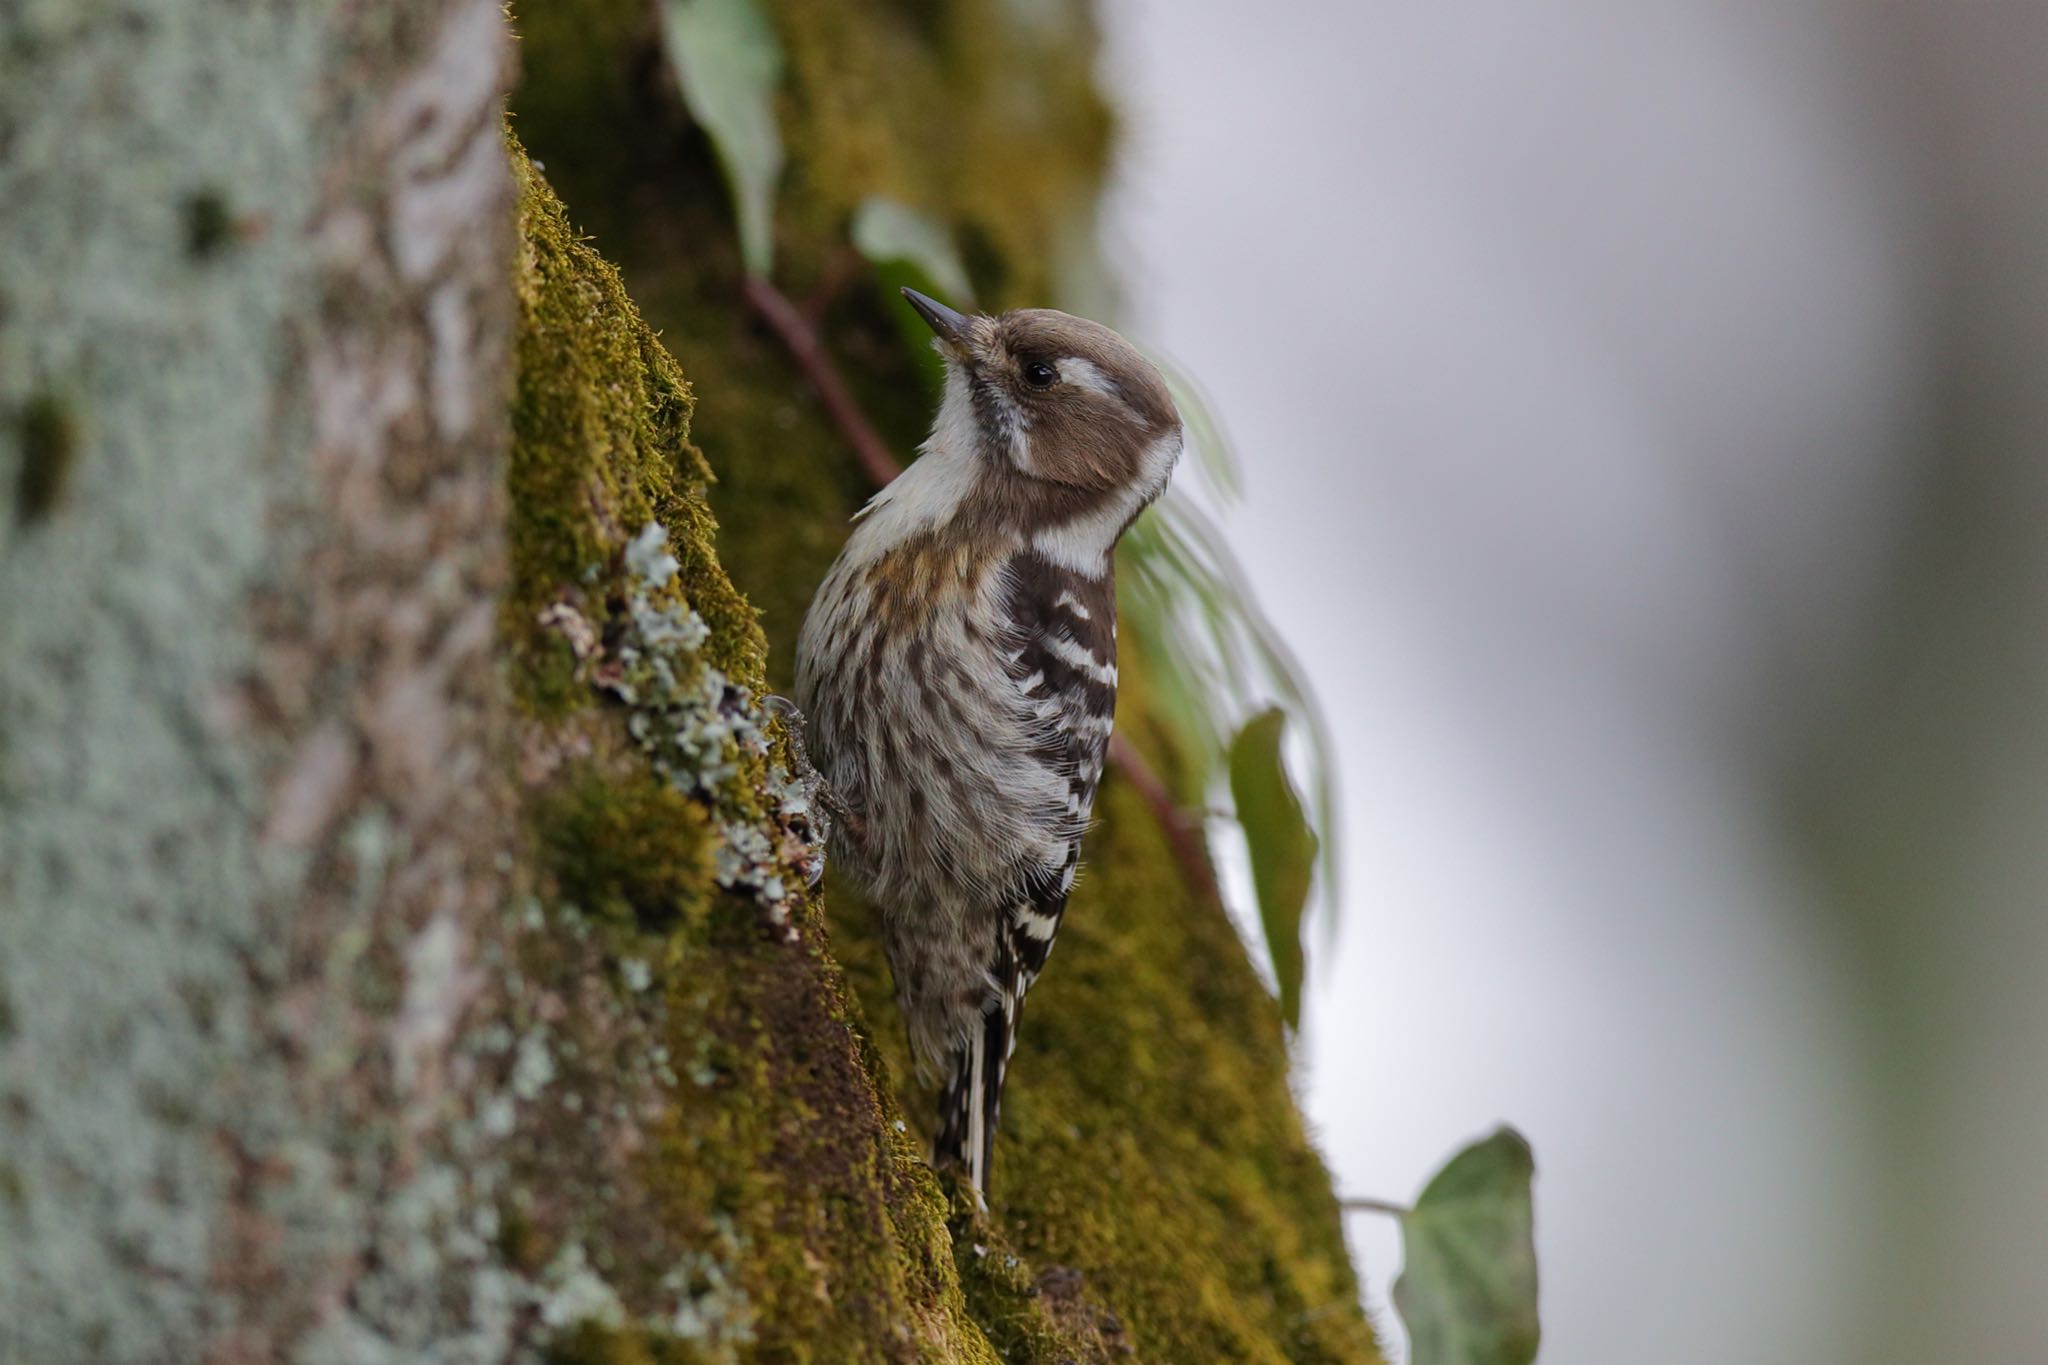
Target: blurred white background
[{"x": 1641, "y": 407}]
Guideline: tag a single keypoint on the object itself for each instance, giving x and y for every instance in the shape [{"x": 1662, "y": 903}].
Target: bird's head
[{"x": 1057, "y": 399}]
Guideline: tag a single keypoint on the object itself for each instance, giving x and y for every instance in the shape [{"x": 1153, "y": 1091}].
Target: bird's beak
[{"x": 950, "y": 326}]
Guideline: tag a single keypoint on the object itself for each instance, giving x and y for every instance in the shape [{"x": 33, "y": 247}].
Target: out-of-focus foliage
[
  {"x": 893, "y": 234},
  {"x": 915, "y": 250},
  {"x": 1209, "y": 445},
  {"x": 1467, "y": 1289},
  {"x": 1283, "y": 847},
  {"x": 1216, "y": 657},
  {"x": 729, "y": 66}
]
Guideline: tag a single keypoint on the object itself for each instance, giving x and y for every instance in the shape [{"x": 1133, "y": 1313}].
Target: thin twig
[
  {"x": 1374, "y": 1206},
  {"x": 839, "y": 272},
  {"x": 1183, "y": 831},
  {"x": 800, "y": 338},
  {"x": 807, "y": 349}
]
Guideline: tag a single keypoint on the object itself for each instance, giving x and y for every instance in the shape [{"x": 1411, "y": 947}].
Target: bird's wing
[{"x": 1063, "y": 662}]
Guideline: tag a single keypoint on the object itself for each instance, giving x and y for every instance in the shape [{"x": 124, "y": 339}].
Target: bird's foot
[{"x": 827, "y": 806}]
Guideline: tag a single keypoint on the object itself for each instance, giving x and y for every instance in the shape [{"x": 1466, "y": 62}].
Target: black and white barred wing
[
  {"x": 1065, "y": 667},
  {"x": 1063, "y": 662}
]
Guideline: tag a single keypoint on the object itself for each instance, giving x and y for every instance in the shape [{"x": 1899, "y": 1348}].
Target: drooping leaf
[
  {"x": 907, "y": 247},
  {"x": 887, "y": 232},
  {"x": 1282, "y": 846},
  {"x": 1467, "y": 1288},
  {"x": 729, "y": 64}
]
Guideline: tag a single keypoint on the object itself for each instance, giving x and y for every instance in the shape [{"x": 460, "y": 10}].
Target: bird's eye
[{"x": 1040, "y": 375}]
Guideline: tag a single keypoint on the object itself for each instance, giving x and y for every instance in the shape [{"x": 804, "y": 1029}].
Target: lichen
[{"x": 135, "y": 405}]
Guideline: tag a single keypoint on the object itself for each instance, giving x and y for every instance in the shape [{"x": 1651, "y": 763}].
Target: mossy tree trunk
[{"x": 403, "y": 950}]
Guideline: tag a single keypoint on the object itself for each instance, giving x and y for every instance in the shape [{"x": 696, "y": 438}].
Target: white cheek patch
[
  {"x": 1020, "y": 444},
  {"x": 1084, "y": 544}
]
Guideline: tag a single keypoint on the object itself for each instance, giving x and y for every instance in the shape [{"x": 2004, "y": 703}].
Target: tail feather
[{"x": 971, "y": 1103}]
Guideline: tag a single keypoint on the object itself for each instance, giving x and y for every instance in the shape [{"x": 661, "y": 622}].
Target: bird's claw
[{"x": 830, "y": 807}]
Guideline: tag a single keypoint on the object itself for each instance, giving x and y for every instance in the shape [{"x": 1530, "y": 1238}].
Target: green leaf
[
  {"x": 1283, "y": 847},
  {"x": 889, "y": 233},
  {"x": 911, "y": 248},
  {"x": 729, "y": 65},
  {"x": 1467, "y": 1288}
]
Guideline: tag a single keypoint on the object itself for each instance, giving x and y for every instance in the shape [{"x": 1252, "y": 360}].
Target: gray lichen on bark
[{"x": 245, "y": 287}]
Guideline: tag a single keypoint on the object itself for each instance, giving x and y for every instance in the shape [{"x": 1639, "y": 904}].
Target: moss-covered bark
[{"x": 709, "y": 1142}]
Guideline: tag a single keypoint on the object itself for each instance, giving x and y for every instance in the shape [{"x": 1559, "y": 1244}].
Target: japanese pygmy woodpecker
[{"x": 957, "y": 670}]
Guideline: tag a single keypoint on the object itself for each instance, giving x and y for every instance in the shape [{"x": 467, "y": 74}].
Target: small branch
[
  {"x": 1182, "y": 829},
  {"x": 799, "y": 336},
  {"x": 807, "y": 349},
  {"x": 1374, "y": 1206},
  {"x": 839, "y": 272}
]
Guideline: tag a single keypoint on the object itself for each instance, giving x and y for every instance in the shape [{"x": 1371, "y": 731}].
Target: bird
[{"x": 956, "y": 675}]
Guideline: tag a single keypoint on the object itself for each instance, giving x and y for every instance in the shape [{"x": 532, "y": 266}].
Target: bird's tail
[{"x": 973, "y": 1097}]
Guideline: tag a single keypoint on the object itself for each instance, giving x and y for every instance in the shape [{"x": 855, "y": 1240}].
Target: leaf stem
[
  {"x": 1181, "y": 828},
  {"x": 807, "y": 349},
  {"x": 1392, "y": 1210},
  {"x": 798, "y": 334}
]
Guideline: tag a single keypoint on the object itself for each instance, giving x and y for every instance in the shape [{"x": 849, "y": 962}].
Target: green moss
[
  {"x": 627, "y": 847},
  {"x": 600, "y": 448},
  {"x": 1030, "y": 1316},
  {"x": 589, "y": 1343}
]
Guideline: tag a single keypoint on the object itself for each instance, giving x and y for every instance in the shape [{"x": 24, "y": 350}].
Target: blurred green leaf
[
  {"x": 1214, "y": 453},
  {"x": 729, "y": 64},
  {"x": 887, "y": 232},
  {"x": 1282, "y": 846},
  {"x": 911, "y": 248},
  {"x": 1467, "y": 1288}
]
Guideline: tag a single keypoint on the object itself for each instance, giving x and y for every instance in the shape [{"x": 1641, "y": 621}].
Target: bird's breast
[{"x": 904, "y": 670}]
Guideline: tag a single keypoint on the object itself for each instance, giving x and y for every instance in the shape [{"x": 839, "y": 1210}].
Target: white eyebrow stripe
[{"x": 1086, "y": 374}]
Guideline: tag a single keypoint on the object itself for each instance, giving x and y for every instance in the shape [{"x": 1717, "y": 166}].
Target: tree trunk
[{"x": 404, "y": 952}]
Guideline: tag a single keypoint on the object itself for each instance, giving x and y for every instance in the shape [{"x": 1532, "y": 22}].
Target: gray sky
[{"x": 1561, "y": 346}]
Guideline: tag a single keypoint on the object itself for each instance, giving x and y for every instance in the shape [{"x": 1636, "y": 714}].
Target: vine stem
[
  {"x": 800, "y": 338},
  {"x": 798, "y": 333}
]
